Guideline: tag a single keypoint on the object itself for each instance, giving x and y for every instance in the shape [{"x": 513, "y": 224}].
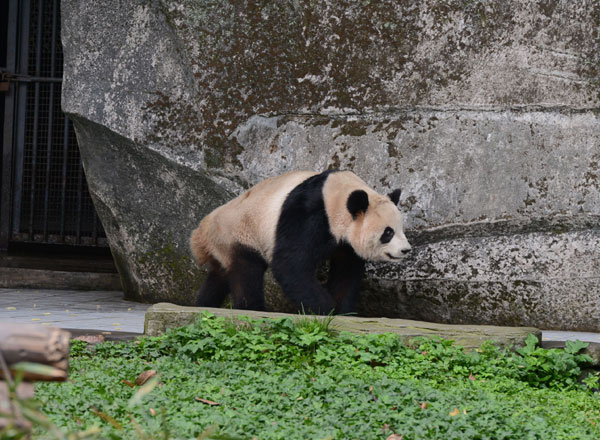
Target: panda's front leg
[
  {"x": 298, "y": 280},
  {"x": 346, "y": 270}
]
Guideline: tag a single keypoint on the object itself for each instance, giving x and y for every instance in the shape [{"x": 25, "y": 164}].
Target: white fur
[
  {"x": 250, "y": 220},
  {"x": 364, "y": 232}
]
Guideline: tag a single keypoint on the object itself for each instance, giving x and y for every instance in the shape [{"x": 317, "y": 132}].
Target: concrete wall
[{"x": 486, "y": 114}]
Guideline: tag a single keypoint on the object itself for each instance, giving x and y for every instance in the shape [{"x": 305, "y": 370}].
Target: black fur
[
  {"x": 303, "y": 243},
  {"x": 346, "y": 270},
  {"x": 246, "y": 276},
  {"x": 358, "y": 202},
  {"x": 215, "y": 287},
  {"x": 395, "y": 196},
  {"x": 244, "y": 280}
]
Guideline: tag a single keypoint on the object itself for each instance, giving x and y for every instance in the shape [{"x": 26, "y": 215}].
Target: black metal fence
[{"x": 44, "y": 193}]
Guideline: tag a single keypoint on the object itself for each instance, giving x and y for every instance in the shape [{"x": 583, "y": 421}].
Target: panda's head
[{"x": 377, "y": 230}]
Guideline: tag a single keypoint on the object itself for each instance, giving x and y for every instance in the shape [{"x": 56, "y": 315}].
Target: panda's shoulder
[
  {"x": 308, "y": 192},
  {"x": 339, "y": 185},
  {"x": 344, "y": 177}
]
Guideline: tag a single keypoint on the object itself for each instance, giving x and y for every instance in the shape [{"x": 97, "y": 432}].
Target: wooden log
[{"x": 32, "y": 343}]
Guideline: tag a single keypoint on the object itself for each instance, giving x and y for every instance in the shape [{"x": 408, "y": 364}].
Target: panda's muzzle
[{"x": 391, "y": 257}]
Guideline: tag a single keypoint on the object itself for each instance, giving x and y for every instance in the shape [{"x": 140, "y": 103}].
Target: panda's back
[{"x": 251, "y": 218}]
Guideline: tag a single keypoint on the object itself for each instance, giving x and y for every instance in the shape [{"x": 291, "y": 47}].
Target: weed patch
[{"x": 274, "y": 379}]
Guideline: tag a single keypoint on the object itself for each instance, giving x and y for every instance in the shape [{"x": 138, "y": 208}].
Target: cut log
[{"x": 32, "y": 343}]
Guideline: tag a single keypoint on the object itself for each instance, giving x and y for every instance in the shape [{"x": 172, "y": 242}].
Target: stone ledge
[
  {"x": 26, "y": 278},
  {"x": 163, "y": 316}
]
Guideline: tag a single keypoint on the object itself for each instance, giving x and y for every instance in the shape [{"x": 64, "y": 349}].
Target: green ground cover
[{"x": 276, "y": 379}]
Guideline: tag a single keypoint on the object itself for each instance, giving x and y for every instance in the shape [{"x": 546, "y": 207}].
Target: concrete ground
[
  {"x": 107, "y": 311},
  {"x": 70, "y": 309}
]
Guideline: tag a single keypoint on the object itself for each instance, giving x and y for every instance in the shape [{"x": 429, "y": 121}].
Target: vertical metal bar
[
  {"x": 22, "y": 66},
  {"x": 50, "y": 121},
  {"x": 63, "y": 189},
  {"x": 36, "y": 110},
  {"x": 7, "y": 150},
  {"x": 79, "y": 200},
  {"x": 95, "y": 227}
]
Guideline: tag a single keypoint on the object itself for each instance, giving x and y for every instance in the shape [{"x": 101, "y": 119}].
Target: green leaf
[{"x": 574, "y": 347}]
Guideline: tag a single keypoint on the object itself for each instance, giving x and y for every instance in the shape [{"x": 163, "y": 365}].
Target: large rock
[{"x": 485, "y": 113}]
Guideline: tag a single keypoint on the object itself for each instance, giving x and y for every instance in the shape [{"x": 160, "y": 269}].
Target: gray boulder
[{"x": 485, "y": 113}]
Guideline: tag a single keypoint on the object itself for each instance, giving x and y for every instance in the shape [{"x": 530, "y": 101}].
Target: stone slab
[
  {"x": 553, "y": 335},
  {"x": 163, "y": 316},
  {"x": 111, "y": 336},
  {"x": 16, "y": 277}
]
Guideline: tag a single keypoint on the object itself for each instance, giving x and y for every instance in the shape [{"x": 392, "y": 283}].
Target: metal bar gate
[{"x": 44, "y": 197}]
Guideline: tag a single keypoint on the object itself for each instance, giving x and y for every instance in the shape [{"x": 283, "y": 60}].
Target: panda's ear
[
  {"x": 358, "y": 202},
  {"x": 395, "y": 195}
]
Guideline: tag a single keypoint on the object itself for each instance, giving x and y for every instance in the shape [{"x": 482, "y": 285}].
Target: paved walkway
[
  {"x": 108, "y": 311},
  {"x": 71, "y": 309}
]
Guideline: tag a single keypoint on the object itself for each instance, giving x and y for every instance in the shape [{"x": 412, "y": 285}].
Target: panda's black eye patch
[{"x": 387, "y": 235}]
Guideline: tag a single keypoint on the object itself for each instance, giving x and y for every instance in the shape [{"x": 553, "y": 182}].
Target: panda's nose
[{"x": 405, "y": 251}]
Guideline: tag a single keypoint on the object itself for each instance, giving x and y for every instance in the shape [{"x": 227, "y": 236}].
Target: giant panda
[{"x": 294, "y": 223}]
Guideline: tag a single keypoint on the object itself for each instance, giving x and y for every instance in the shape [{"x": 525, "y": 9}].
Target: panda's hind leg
[
  {"x": 215, "y": 287},
  {"x": 246, "y": 279}
]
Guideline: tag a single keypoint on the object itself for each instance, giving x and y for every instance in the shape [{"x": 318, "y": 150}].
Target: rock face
[{"x": 485, "y": 113}]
